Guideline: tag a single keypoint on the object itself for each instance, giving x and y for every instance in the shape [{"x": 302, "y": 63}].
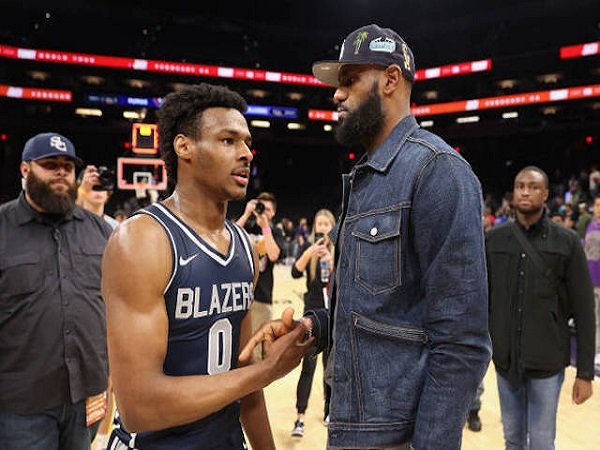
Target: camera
[
  {"x": 259, "y": 208},
  {"x": 319, "y": 236},
  {"x": 106, "y": 177}
]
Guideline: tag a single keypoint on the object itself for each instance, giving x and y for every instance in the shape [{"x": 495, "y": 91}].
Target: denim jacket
[{"x": 410, "y": 330}]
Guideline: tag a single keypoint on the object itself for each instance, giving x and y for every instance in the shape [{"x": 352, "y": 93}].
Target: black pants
[{"x": 309, "y": 365}]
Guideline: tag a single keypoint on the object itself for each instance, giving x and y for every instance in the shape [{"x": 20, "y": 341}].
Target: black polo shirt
[{"x": 52, "y": 322}]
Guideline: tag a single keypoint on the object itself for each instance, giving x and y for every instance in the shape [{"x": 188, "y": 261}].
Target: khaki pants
[{"x": 261, "y": 313}]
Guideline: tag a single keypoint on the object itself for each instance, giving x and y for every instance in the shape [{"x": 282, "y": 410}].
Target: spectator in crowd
[
  {"x": 557, "y": 205},
  {"x": 583, "y": 220},
  {"x": 53, "y": 368},
  {"x": 592, "y": 253},
  {"x": 570, "y": 217},
  {"x": 558, "y": 218},
  {"x": 488, "y": 219},
  {"x": 258, "y": 220},
  {"x": 120, "y": 215},
  {"x": 574, "y": 196},
  {"x": 302, "y": 232},
  {"x": 315, "y": 259},
  {"x": 94, "y": 199},
  {"x": 557, "y": 184},
  {"x": 538, "y": 277},
  {"x": 289, "y": 237},
  {"x": 594, "y": 180}
]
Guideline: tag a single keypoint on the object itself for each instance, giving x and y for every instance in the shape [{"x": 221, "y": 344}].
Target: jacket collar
[
  {"x": 383, "y": 155},
  {"x": 24, "y": 213},
  {"x": 541, "y": 226}
]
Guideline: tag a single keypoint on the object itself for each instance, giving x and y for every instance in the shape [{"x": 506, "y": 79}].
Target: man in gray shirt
[{"x": 52, "y": 324}]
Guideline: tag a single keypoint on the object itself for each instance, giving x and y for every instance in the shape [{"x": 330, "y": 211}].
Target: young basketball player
[{"x": 178, "y": 280}]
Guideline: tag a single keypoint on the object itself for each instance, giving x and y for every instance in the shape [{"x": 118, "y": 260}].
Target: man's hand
[
  {"x": 262, "y": 220},
  {"x": 286, "y": 352},
  {"x": 582, "y": 390},
  {"x": 250, "y": 206},
  {"x": 89, "y": 179},
  {"x": 271, "y": 331}
]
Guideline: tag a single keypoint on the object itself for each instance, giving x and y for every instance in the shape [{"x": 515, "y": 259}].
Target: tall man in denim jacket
[{"x": 409, "y": 332}]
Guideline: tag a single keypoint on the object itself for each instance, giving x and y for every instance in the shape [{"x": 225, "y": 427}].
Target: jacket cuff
[{"x": 320, "y": 327}]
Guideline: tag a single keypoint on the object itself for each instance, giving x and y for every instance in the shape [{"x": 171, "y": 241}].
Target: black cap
[{"x": 370, "y": 44}]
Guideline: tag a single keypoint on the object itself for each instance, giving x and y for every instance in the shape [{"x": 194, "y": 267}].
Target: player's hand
[
  {"x": 268, "y": 333},
  {"x": 582, "y": 390},
  {"x": 285, "y": 353}
]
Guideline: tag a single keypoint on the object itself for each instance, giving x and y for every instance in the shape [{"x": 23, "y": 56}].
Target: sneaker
[
  {"x": 473, "y": 421},
  {"x": 326, "y": 421},
  {"x": 298, "y": 430}
]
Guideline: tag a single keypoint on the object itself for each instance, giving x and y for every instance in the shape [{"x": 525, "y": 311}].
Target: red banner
[
  {"x": 50, "y": 95},
  {"x": 503, "y": 101},
  {"x": 200, "y": 70},
  {"x": 580, "y": 50}
]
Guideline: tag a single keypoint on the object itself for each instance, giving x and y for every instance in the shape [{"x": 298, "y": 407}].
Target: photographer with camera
[
  {"x": 95, "y": 187},
  {"x": 268, "y": 240}
]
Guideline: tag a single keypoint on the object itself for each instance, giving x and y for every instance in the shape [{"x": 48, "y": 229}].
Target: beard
[
  {"x": 530, "y": 211},
  {"x": 52, "y": 202},
  {"x": 363, "y": 123}
]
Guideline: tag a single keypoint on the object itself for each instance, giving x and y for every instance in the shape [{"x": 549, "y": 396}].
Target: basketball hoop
[
  {"x": 140, "y": 183},
  {"x": 140, "y": 189}
]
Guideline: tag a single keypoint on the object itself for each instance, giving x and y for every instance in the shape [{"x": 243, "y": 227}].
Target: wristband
[
  {"x": 267, "y": 230},
  {"x": 82, "y": 191}
]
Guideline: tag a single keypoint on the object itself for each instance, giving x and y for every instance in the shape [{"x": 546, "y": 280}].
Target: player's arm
[
  {"x": 136, "y": 268},
  {"x": 253, "y": 414}
]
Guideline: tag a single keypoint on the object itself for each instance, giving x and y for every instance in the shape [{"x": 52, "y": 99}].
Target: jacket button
[{"x": 373, "y": 231}]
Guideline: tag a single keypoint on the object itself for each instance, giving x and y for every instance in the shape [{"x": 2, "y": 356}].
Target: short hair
[
  {"x": 181, "y": 113},
  {"x": 538, "y": 170},
  {"x": 267, "y": 196}
]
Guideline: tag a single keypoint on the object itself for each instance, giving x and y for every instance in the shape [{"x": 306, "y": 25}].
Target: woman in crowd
[{"x": 316, "y": 260}]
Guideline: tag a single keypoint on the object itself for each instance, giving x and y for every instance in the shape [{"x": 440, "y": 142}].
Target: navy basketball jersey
[{"x": 206, "y": 299}]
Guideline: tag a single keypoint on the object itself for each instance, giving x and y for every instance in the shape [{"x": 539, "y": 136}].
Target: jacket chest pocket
[
  {"x": 378, "y": 258},
  {"x": 20, "y": 275},
  {"x": 87, "y": 262}
]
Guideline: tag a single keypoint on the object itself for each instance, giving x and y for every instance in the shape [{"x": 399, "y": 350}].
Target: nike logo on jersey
[{"x": 185, "y": 261}]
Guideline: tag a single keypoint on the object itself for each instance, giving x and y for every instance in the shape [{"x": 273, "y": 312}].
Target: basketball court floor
[{"x": 578, "y": 427}]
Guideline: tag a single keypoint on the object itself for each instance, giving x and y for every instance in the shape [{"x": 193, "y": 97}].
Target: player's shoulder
[{"x": 139, "y": 233}]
